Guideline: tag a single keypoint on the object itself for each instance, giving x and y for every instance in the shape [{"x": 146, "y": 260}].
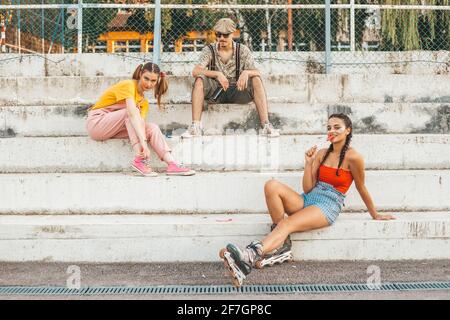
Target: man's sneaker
[
  {"x": 270, "y": 131},
  {"x": 140, "y": 165},
  {"x": 174, "y": 170},
  {"x": 194, "y": 130}
]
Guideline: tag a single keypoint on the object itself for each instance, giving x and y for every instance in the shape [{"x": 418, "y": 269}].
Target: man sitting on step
[{"x": 226, "y": 73}]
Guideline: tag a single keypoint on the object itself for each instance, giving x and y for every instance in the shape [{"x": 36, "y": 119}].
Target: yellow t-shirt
[{"x": 119, "y": 92}]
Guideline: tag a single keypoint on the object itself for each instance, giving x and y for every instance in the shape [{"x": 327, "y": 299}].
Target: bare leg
[
  {"x": 281, "y": 199},
  {"x": 197, "y": 100},
  {"x": 260, "y": 99},
  {"x": 306, "y": 219}
]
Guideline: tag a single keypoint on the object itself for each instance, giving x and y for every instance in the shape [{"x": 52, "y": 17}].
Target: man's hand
[
  {"x": 242, "y": 81},
  {"x": 223, "y": 81}
]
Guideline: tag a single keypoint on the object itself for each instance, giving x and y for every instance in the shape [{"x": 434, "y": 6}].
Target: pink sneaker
[
  {"x": 140, "y": 166},
  {"x": 174, "y": 170}
]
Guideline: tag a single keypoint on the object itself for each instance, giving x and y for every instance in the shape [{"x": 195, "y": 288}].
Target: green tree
[
  {"x": 415, "y": 29},
  {"x": 96, "y": 22}
]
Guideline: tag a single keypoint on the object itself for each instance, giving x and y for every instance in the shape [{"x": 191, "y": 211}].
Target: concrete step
[
  {"x": 232, "y": 192},
  {"x": 291, "y": 118},
  {"x": 173, "y": 238},
  {"x": 219, "y": 153},
  {"x": 311, "y": 88},
  {"x": 279, "y": 63}
]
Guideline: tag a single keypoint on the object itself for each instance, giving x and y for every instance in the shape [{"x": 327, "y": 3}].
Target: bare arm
[
  {"x": 200, "y": 71},
  {"x": 252, "y": 73},
  {"x": 219, "y": 76},
  {"x": 312, "y": 163},
  {"x": 357, "y": 169},
  {"x": 245, "y": 75},
  {"x": 137, "y": 123},
  {"x": 201, "y": 68}
]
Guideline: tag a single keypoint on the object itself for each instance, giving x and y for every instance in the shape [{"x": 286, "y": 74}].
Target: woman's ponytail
[
  {"x": 137, "y": 72},
  {"x": 161, "y": 88}
]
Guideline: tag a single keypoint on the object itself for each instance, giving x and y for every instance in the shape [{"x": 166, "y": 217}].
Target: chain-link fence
[
  {"x": 360, "y": 32},
  {"x": 34, "y": 30}
]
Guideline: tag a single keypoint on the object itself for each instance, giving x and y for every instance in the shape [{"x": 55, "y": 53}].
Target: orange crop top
[{"x": 341, "y": 183}]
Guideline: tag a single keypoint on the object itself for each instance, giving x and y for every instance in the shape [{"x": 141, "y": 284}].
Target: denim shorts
[{"x": 326, "y": 198}]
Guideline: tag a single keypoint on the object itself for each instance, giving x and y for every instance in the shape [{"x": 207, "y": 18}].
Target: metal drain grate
[{"x": 222, "y": 289}]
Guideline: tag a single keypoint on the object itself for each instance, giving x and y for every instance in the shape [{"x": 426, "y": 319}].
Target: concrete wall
[
  {"x": 301, "y": 118},
  {"x": 132, "y": 238},
  {"x": 277, "y": 63},
  {"x": 401, "y": 119},
  {"x": 231, "y": 192},
  {"x": 332, "y": 89},
  {"x": 220, "y": 153}
]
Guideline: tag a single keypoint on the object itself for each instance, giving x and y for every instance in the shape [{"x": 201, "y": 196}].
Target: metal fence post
[
  {"x": 327, "y": 36},
  {"x": 352, "y": 25},
  {"x": 62, "y": 30},
  {"x": 80, "y": 26},
  {"x": 42, "y": 29},
  {"x": 157, "y": 34},
  {"x": 18, "y": 29}
]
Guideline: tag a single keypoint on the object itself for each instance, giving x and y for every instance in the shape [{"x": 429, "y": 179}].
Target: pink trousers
[{"x": 113, "y": 123}]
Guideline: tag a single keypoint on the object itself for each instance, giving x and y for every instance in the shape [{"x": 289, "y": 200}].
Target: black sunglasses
[{"x": 225, "y": 35}]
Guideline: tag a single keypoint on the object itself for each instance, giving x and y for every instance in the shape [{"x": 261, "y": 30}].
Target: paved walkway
[{"x": 55, "y": 274}]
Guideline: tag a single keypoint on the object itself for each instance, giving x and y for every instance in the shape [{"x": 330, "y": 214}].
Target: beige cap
[{"x": 225, "y": 25}]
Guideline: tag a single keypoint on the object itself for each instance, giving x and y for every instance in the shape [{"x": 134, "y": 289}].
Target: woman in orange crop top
[
  {"x": 121, "y": 111},
  {"x": 328, "y": 175}
]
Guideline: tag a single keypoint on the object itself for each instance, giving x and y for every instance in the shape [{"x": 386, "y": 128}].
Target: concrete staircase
[{"x": 65, "y": 197}]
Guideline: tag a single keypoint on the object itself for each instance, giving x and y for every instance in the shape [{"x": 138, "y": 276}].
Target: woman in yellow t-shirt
[{"x": 121, "y": 111}]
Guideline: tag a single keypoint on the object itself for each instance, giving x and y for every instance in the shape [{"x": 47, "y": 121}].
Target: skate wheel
[
  {"x": 222, "y": 253},
  {"x": 228, "y": 269},
  {"x": 258, "y": 264},
  {"x": 236, "y": 283}
]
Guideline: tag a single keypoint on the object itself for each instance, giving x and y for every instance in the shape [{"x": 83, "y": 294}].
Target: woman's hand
[
  {"x": 145, "y": 151},
  {"x": 310, "y": 155},
  {"x": 383, "y": 217}
]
